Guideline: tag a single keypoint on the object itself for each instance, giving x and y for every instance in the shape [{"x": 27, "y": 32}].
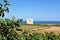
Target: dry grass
[{"x": 42, "y": 29}]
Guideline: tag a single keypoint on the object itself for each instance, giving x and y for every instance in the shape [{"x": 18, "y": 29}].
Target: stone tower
[{"x": 29, "y": 21}]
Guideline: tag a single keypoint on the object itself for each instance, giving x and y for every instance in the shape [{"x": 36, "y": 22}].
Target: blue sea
[{"x": 43, "y": 22}]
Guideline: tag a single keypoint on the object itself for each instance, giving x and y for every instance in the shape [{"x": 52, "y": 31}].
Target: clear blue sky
[{"x": 41, "y": 10}]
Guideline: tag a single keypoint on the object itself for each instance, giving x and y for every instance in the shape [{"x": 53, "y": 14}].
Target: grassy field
[{"x": 41, "y": 28}]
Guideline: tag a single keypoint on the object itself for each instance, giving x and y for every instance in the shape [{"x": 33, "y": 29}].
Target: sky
[{"x": 39, "y": 10}]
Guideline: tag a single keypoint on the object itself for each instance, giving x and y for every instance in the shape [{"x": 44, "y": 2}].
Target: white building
[{"x": 29, "y": 21}]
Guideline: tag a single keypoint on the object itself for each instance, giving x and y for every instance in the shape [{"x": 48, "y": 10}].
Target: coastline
[{"x": 43, "y": 22}]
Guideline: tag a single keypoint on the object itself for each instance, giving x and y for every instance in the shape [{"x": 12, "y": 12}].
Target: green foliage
[
  {"x": 25, "y": 35},
  {"x": 0, "y": 37},
  {"x": 4, "y": 8},
  {"x": 8, "y": 29}
]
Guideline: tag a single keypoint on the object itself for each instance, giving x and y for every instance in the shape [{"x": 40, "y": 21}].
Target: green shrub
[
  {"x": 37, "y": 36},
  {"x": 8, "y": 29}
]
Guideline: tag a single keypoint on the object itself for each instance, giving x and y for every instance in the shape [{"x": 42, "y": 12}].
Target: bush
[
  {"x": 8, "y": 29},
  {"x": 37, "y": 36}
]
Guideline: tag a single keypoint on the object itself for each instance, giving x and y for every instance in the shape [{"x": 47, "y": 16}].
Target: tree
[{"x": 4, "y": 8}]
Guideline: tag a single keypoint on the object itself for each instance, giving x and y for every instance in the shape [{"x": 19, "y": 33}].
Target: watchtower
[{"x": 30, "y": 21}]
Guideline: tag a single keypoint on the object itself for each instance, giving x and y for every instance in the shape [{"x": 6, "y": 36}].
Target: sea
[{"x": 43, "y": 22}]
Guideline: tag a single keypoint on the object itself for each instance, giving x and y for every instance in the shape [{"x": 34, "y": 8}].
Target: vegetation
[
  {"x": 8, "y": 29},
  {"x": 37, "y": 36},
  {"x": 4, "y": 8},
  {"x": 43, "y": 24}
]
